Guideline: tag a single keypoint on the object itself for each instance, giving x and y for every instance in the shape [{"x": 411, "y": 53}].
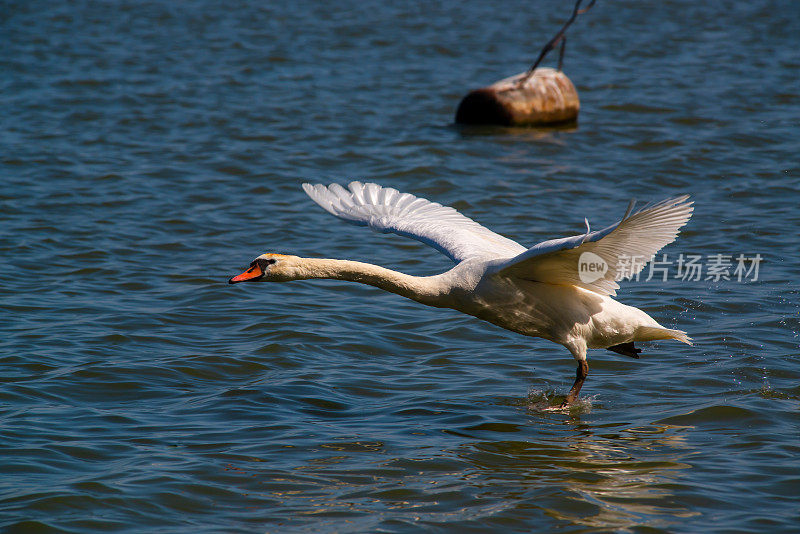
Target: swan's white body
[{"x": 535, "y": 291}]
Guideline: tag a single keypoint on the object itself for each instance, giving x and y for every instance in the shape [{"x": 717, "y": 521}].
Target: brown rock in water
[{"x": 547, "y": 97}]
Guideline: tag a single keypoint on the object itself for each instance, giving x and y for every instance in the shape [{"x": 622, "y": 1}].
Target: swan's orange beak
[{"x": 253, "y": 273}]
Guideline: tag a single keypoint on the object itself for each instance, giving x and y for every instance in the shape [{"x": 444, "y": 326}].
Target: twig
[{"x": 559, "y": 37}]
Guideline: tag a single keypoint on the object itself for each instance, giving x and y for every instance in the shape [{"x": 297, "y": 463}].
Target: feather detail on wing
[
  {"x": 624, "y": 248},
  {"x": 385, "y": 210}
]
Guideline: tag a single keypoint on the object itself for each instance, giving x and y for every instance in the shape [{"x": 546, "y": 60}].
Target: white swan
[{"x": 537, "y": 291}]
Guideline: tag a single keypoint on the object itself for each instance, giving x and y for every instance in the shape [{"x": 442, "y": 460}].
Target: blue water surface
[{"x": 150, "y": 150}]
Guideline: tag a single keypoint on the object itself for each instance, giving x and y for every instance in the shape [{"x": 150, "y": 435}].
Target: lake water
[{"x": 150, "y": 150}]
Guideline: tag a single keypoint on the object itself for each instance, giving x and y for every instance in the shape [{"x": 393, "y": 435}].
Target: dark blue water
[{"x": 148, "y": 151}]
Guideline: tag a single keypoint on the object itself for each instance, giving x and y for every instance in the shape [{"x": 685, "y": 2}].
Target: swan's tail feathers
[{"x": 652, "y": 333}]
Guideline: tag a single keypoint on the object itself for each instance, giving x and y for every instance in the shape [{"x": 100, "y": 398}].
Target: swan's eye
[{"x": 262, "y": 263}]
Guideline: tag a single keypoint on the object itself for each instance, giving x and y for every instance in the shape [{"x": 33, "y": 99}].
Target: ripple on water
[{"x": 151, "y": 151}]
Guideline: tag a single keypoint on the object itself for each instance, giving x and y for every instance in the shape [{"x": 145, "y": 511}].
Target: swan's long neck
[{"x": 422, "y": 289}]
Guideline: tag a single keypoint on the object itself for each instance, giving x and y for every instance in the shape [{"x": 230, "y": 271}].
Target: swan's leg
[
  {"x": 580, "y": 375},
  {"x": 626, "y": 349},
  {"x": 578, "y": 349}
]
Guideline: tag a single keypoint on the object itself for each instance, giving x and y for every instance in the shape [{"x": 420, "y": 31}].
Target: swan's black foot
[
  {"x": 626, "y": 349},
  {"x": 580, "y": 375}
]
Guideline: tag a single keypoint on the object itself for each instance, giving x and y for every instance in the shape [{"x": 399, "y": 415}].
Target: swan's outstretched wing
[
  {"x": 624, "y": 247},
  {"x": 387, "y": 210}
]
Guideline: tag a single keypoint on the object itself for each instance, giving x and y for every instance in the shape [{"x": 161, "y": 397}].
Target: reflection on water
[
  {"x": 606, "y": 477},
  {"x": 611, "y": 474},
  {"x": 629, "y": 477},
  {"x": 540, "y": 134}
]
